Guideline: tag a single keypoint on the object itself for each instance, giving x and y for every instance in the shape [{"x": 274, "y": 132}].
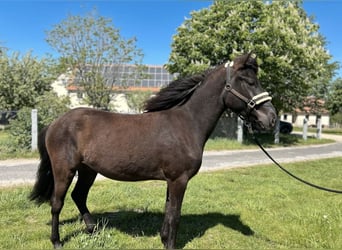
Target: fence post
[
  {"x": 239, "y": 130},
  {"x": 319, "y": 126},
  {"x": 305, "y": 128},
  {"x": 277, "y": 131},
  {"x": 34, "y": 129}
]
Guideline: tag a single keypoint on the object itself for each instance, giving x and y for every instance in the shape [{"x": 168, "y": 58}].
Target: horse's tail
[{"x": 43, "y": 188}]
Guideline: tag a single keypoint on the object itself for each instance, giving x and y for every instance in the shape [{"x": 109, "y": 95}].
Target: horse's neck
[{"x": 206, "y": 106}]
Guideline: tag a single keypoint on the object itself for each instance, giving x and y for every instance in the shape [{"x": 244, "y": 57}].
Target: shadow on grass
[{"x": 139, "y": 224}]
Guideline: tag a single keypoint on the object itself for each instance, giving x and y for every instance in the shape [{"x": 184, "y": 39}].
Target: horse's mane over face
[{"x": 176, "y": 93}]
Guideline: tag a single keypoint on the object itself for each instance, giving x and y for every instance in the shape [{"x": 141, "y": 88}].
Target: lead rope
[{"x": 250, "y": 130}]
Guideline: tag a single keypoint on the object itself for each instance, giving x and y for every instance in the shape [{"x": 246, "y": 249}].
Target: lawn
[
  {"x": 246, "y": 208},
  {"x": 335, "y": 131},
  {"x": 267, "y": 140}
]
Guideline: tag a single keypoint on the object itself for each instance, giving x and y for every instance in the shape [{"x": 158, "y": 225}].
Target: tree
[
  {"x": 136, "y": 100},
  {"x": 290, "y": 49},
  {"x": 94, "y": 49},
  {"x": 3, "y": 49},
  {"x": 334, "y": 103},
  {"x": 23, "y": 79}
]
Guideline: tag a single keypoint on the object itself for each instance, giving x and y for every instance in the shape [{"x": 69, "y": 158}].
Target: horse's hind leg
[
  {"x": 62, "y": 180},
  {"x": 86, "y": 177}
]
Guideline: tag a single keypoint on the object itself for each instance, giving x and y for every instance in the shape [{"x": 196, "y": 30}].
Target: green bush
[
  {"x": 337, "y": 118},
  {"x": 20, "y": 130},
  {"x": 49, "y": 108},
  {"x": 136, "y": 99}
]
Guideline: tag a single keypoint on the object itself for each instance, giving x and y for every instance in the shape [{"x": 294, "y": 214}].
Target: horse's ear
[
  {"x": 250, "y": 55},
  {"x": 251, "y": 63},
  {"x": 241, "y": 61},
  {"x": 247, "y": 58}
]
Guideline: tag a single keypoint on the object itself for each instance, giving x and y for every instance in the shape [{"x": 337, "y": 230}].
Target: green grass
[
  {"x": 246, "y": 208},
  {"x": 336, "y": 131},
  {"x": 226, "y": 144},
  {"x": 267, "y": 140}
]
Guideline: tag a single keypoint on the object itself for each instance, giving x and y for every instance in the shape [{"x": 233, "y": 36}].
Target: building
[
  {"x": 297, "y": 119},
  {"x": 158, "y": 77},
  {"x": 122, "y": 78},
  {"x": 312, "y": 110}
]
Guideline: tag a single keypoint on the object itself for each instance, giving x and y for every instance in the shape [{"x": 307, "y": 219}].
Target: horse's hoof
[
  {"x": 91, "y": 228},
  {"x": 57, "y": 245}
]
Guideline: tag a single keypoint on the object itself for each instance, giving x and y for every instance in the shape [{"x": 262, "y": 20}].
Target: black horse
[{"x": 164, "y": 143}]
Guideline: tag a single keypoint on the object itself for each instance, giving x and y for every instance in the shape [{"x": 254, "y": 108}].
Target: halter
[{"x": 251, "y": 103}]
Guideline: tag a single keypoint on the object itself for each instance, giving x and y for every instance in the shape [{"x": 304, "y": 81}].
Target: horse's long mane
[{"x": 177, "y": 92}]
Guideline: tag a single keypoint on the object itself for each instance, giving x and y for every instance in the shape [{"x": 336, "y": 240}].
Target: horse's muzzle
[{"x": 263, "y": 118}]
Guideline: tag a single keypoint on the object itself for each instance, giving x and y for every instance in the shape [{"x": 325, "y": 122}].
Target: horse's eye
[
  {"x": 251, "y": 82},
  {"x": 248, "y": 80}
]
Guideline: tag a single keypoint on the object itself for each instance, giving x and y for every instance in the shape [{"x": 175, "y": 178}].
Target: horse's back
[{"x": 83, "y": 126}]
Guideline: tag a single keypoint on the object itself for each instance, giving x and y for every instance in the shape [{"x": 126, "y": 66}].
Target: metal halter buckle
[
  {"x": 249, "y": 127},
  {"x": 251, "y": 104},
  {"x": 228, "y": 87}
]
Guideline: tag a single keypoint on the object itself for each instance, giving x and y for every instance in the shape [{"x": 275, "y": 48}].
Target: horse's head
[{"x": 244, "y": 95}]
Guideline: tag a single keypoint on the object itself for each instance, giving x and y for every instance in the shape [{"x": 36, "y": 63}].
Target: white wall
[
  {"x": 59, "y": 86},
  {"x": 325, "y": 118}
]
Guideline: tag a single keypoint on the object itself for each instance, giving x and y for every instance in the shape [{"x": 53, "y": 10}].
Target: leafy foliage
[
  {"x": 94, "y": 49},
  {"x": 287, "y": 42},
  {"x": 49, "y": 108},
  {"x": 136, "y": 99},
  {"x": 23, "y": 79},
  {"x": 335, "y": 97}
]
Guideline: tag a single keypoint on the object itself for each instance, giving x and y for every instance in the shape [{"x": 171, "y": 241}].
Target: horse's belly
[{"x": 130, "y": 171}]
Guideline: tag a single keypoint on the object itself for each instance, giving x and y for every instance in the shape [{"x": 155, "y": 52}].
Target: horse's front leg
[{"x": 174, "y": 199}]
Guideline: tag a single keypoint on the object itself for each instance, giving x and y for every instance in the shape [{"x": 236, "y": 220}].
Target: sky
[{"x": 23, "y": 24}]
